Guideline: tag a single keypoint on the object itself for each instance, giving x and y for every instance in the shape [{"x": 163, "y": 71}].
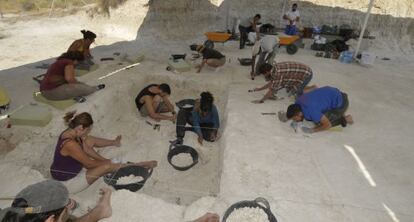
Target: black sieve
[
  {"x": 179, "y": 149},
  {"x": 259, "y": 202},
  {"x": 112, "y": 178}
]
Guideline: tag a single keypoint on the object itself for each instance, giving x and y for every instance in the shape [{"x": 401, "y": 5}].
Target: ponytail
[
  {"x": 206, "y": 101},
  {"x": 84, "y": 119},
  {"x": 88, "y": 34}
]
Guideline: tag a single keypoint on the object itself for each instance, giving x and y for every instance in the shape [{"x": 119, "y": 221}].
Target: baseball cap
[{"x": 42, "y": 197}]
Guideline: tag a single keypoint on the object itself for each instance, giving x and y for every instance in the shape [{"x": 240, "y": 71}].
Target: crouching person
[
  {"x": 154, "y": 101},
  {"x": 293, "y": 76},
  {"x": 204, "y": 120},
  {"x": 211, "y": 57},
  {"x": 325, "y": 106}
]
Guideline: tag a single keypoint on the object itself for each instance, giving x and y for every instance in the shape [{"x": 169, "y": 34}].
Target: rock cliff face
[{"x": 392, "y": 22}]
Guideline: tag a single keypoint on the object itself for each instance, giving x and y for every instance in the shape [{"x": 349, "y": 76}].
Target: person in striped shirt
[{"x": 292, "y": 76}]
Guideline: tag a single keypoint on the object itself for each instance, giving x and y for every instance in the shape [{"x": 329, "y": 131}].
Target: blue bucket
[{"x": 346, "y": 57}]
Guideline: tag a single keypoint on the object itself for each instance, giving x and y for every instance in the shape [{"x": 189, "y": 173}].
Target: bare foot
[
  {"x": 349, "y": 119},
  {"x": 148, "y": 164},
  {"x": 208, "y": 217},
  {"x": 103, "y": 208},
  {"x": 72, "y": 205}
]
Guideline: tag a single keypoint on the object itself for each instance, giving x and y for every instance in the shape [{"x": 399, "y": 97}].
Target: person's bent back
[
  {"x": 325, "y": 106},
  {"x": 211, "y": 57}
]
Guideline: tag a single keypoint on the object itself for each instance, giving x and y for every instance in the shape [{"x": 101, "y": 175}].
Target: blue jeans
[
  {"x": 336, "y": 116},
  {"x": 290, "y": 30},
  {"x": 304, "y": 84}
]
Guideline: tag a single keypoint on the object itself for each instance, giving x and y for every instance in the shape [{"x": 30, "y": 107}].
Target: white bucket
[{"x": 367, "y": 58}]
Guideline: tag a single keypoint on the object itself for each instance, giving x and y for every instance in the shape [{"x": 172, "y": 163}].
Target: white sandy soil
[{"x": 304, "y": 177}]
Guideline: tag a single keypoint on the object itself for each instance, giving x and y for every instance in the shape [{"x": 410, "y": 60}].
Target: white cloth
[
  {"x": 292, "y": 16},
  {"x": 251, "y": 36},
  {"x": 265, "y": 44}
]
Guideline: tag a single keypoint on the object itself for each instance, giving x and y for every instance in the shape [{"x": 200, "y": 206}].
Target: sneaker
[
  {"x": 79, "y": 99},
  {"x": 178, "y": 141},
  {"x": 100, "y": 86}
]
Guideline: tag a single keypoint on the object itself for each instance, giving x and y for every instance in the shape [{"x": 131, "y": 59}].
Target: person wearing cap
[
  {"x": 204, "y": 120},
  {"x": 83, "y": 46},
  {"x": 48, "y": 201},
  {"x": 266, "y": 48},
  {"x": 292, "y": 76},
  {"x": 76, "y": 163},
  {"x": 211, "y": 57},
  {"x": 292, "y": 17},
  {"x": 248, "y": 25},
  {"x": 325, "y": 106},
  {"x": 59, "y": 82}
]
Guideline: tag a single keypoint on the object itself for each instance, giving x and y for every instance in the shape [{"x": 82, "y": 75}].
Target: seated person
[
  {"x": 60, "y": 83},
  {"x": 266, "y": 48},
  {"x": 211, "y": 57},
  {"x": 48, "y": 201},
  {"x": 293, "y": 76},
  {"x": 154, "y": 100},
  {"x": 324, "y": 106},
  {"x": 204, "y": 120},
  {"x": 76, "y": 164},
  {"x": 82, "y": 46}
]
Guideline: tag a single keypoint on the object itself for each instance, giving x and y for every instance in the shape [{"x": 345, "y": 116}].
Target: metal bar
[
  {"x": 361, "y": 35},
  {"x": 51, "y": 8}
]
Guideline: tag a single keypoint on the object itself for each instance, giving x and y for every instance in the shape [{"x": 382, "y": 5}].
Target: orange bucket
[
  {"x": 287, "y": 40},
  {"x": 217, "y": 36}
]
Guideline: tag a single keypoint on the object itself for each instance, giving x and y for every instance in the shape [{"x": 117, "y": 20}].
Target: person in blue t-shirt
[
  {"x": 324, "y": 106},
  {"x": 204, "y": 120}
]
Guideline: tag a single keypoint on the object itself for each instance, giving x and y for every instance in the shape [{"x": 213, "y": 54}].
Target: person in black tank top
[
  {"x": 211, "y": 57},
  {"x": 154, "y": 100}
]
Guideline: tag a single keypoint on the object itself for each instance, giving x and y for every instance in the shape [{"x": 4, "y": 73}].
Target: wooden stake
[{"x": 51, "y": 8}]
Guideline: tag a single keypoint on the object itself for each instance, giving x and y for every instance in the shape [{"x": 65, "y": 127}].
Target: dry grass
[
  {"x": 17, "y": 6},
  {"x": 105, "y": 5}
]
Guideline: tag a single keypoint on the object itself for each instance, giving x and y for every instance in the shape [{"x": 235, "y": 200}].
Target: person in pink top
[{"x": 60, "y": 83}]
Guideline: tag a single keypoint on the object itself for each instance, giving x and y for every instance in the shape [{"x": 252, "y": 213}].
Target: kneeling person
[
  {"x": 324, "y": 106},
  {"x": 154, "y": 100},
  {"x": 204, "y": 120},
  {"x": 211, "y": 57}
]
